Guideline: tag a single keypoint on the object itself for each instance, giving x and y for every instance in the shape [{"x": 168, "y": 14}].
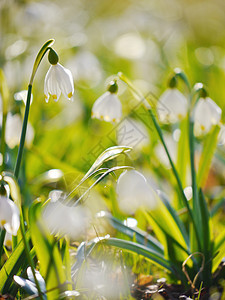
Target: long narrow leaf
[
  {"x": 141, "y": 237},
  {"x": 207, "y": 155},
  {"x": 218, "y": 250},
  {"x": 11, "y": 267},
  {"x": 51, "y": 266}
]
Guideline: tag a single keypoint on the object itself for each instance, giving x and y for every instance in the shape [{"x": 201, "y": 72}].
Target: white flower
[
  {"x": 172, "y": 106},
  {"x": 63, "y": 219},
  {"x": 8, "y": 240},
  {"x": 206, "y": 114},
  {"x": 221, "y": 136},
  {"x": 9, "y": 215},
  {"x": 13, "y": 131},
  {"x": 133, "y": 191},
  {"x": 107, "y": 107},
  {"x": 22, "y": 96},
  {"x": 58, "y": 79},
  {"x": 132, "y": 133}
]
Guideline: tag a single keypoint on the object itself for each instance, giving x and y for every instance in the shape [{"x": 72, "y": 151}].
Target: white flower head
[
  {"x": 22, "y": 96},
  {"x": 58, "y": 79},
  {"x": 13, "y": 131},
  {"x": 206, "y": 114},
  {"x": 172, "y": 106},
  {"x": 108, "y": 106},
  {"x": 133, "y": 191},
  {"x": 9, "y": 215},
  {"x": 63, "y": 219}
]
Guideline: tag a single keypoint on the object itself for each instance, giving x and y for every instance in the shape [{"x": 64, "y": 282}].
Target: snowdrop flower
[
  {"x": 58, "y": 79},
  {"x": 133, "y": 191},
  {"x": 22, "y": 96},
  {"x": 8, "y": 240},
  {"x": 63, "y": 219},
  {"x": 13, "y": 131},
  {"x": 172, "y": 148},
  {"x": 221, "y": 136},
  {"x": 9, "y": 215},
  {"x": 172, "y": 106},
  {"x": 132, "y": 133},
  {"x": 206, "y": 114},
  {"x": 108, "y": 106}
]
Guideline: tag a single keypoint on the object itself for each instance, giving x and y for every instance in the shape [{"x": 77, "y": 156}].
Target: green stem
[
  {"x": 30, "y": 260},
  {"x": 2, "y": 237},
  {"x": 196, "y": 207},
  {"x": 2, "y": 150},
  {"x": 23, "y": 133}
]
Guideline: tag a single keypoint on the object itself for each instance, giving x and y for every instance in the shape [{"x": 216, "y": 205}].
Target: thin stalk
[
  {"x": 2, "y": 149},
  {"x": 2, "y": 237},
  {"x": 23, "y": 133},
  {"x": 196, "y": 207}
]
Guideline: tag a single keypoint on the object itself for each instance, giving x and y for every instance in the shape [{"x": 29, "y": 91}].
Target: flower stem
[{"x": 23, "y": 133}]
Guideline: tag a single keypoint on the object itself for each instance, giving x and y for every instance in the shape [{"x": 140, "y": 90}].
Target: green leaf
[
  {"x": 182, "y": 155},
  {"x": 206, "y": 239},
  {"x": 107, "y": 155},
  {"x": 209, "y": 148},
  {"x": 141, "y": 237},
  {"x": 139, "y": 249},
  {"x": 51, "y": 266},
  {"x": 12, "y": 266},
  {"x": 218, "y": 250}
]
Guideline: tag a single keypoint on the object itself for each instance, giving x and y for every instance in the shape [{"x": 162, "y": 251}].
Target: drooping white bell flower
[
  {"x": 63, "y": 219},
  {"x": 172, "y": 106},
  {"x": 133, "y": 191},
  {"x": 58, "y": 79},
  {"x": 206, "y": 114},
  {"x": 13, "y": 131},
  {"x": 22, "y": 96},
  {"x": 108, "y": 106},
  {"x": 9, "y": 215},
  {"x": 132, "y": 133}
]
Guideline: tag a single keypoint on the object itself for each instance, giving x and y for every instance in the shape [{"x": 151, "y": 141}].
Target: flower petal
[
  {"x": 51, "y": 86},
  {"x": 107, "y": 107},
  {"x": 9, "y": 215},
  {"x": 172, "y": 106},
  {"x": 65, "y": 80}
]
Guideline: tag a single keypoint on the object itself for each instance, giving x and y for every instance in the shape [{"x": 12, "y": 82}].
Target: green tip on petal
[
  {"x": 53, "y": 57},
  {"x": 172, "y": 82},
  {"x": 112, "y": 87},
  {"x": 203, "y": 93},
  {"x": 3, "y": 191}
]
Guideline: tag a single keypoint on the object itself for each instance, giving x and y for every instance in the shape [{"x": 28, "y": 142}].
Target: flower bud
[{"x": 53, "y": 57}]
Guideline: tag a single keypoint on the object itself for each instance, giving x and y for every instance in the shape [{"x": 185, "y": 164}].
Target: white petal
[
  {"x": 206, "y": 114},
  {"x": 9, "y": 215},
  {"x": 13, "y": 130},
  {"x": 65, "y": 80},
  {"x": 172, "y": 106},
  {"x": 51, "y": 85},
  {"x": 107, "y": 107},
  {"x": 215, "y": 111},
  {"x": 221, "y": 136},
  {"x": 133, "y": 191}
]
